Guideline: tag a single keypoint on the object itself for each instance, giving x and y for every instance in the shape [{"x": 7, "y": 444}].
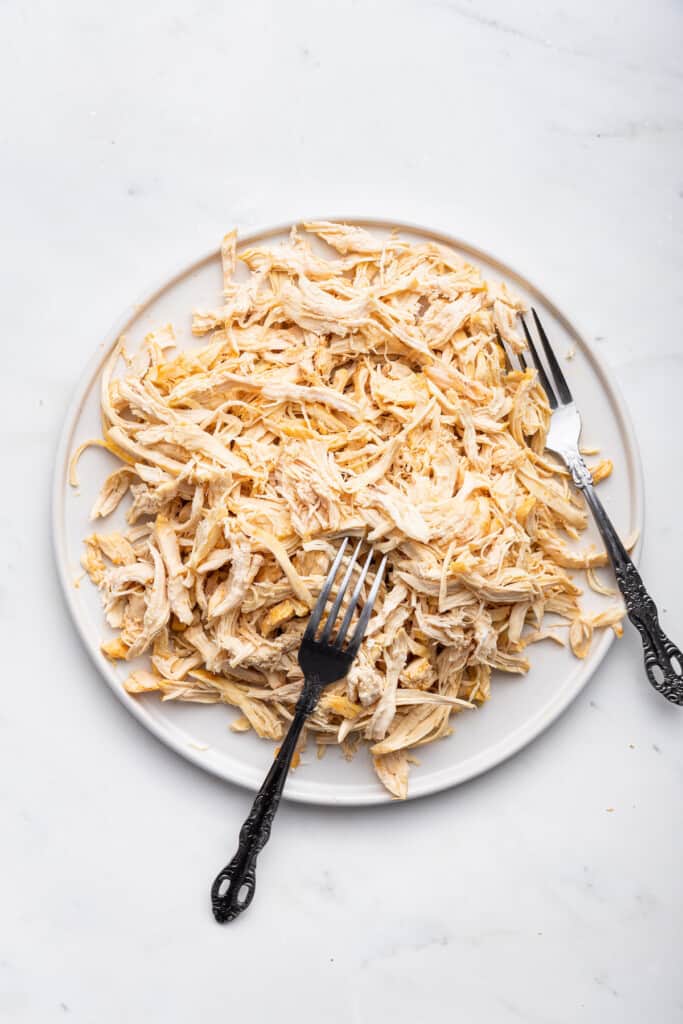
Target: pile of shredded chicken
[{"x": 360, "y": 392}]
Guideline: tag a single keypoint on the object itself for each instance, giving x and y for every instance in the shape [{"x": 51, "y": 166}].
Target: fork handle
[
  {"x": 663, "y": 660},
  {"x": 228, "y": 895}
]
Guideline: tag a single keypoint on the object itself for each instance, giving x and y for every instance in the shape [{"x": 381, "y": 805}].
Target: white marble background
[{"x": 131, "y": 135}]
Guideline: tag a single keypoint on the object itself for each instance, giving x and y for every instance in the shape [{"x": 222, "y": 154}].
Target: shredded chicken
[{"x": 362, "y": 394}]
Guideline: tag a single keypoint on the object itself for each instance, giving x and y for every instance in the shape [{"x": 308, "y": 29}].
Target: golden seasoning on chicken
[{"x": 366, "y": 394}]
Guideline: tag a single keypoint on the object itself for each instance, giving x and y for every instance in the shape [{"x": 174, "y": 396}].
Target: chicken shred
[{"x": 361, "y": 393}]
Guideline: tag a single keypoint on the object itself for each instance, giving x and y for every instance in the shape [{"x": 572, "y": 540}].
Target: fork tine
[
  {"x": 314, "y": 621},
  {"x": 359, "y": 631},
  {"x": 508, "y": 362},
  {"x": 543, "y": 377},
  {"x": 334, "y": 611},
  {"x": 343, "y": 629},
  {"x": 555, "y": 368}
]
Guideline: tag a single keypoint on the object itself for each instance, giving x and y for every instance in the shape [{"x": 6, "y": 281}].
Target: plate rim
[{"x": 325, "y": 795}]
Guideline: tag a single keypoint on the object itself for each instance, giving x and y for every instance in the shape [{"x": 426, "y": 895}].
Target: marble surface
[{"x": 548, "y": 891}]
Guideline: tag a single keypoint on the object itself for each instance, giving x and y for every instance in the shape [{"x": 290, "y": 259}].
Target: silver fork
[
  {"x": 323, "y": 660},
  {"x": 663, "y": 660}
]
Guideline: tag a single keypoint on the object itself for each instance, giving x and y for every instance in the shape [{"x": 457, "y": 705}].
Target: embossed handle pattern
[
  {"x": 663, "y": 660},
  {"x": 233, "y": 888}
]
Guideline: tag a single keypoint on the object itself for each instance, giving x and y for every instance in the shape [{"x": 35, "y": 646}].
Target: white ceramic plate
[{"x": 520, "y": 707}]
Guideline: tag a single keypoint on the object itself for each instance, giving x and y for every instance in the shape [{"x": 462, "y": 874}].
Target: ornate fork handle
[
  {"x": 663, "y": 660},
  {"x": 234, "y": 886}
]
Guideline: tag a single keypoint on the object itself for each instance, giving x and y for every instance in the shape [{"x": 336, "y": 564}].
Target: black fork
[
  {"x": 663, "y": 660},
  {"x": 323, "y": 660}
]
